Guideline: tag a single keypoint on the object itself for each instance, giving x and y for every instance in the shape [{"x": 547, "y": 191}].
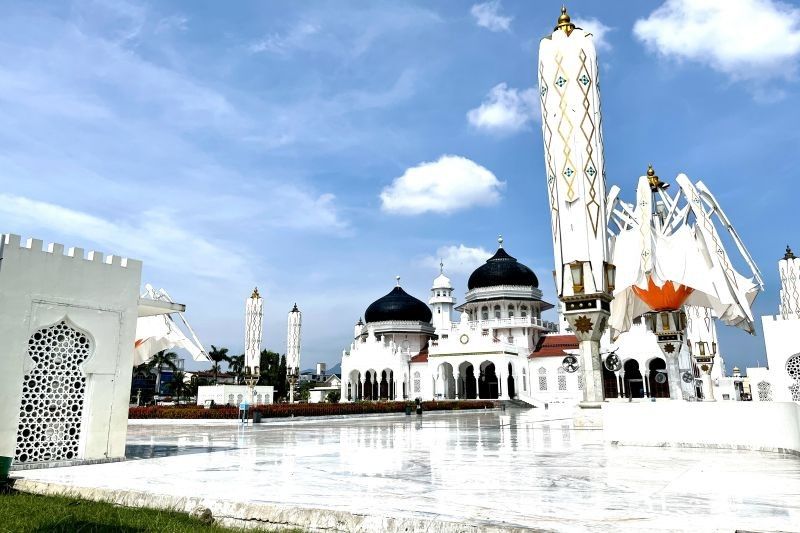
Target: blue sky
[{"x": 284, "y": 144}]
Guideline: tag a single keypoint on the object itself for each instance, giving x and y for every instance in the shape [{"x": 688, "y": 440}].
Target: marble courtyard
[{"x": 484, "y": 470}]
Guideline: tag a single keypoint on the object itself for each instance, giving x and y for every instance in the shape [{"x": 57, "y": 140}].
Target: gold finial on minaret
[
  {"x": 564, "y": 22},
  {"x": 655, "y": 181},
  {"x": 255, "y": 294},
  {"x": 789, "y": 253}
]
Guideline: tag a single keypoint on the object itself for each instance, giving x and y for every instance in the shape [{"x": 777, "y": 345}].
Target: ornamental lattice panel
[
  {"x": 764, "y": 391},
  {"x": 53, "y": 393}
]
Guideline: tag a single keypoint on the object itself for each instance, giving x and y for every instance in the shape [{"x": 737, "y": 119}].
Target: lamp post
[
  {"x": 294, "y": 324},
  {"x": 575, "y": 171}
]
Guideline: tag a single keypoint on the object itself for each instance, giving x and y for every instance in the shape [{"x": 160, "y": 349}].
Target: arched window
[
  {"x": 542, "y": 379},
  {"x": 510, "y": 311},
  {"x": 497, "y": 311},
  {"x": 523, "y": 311},
  {"x": 484, "y": 313}
]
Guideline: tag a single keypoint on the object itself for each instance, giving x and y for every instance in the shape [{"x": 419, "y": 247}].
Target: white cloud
[
  {"x": 154, "y": 237},
  {"x": 505, "y": 110},
  {"x": 597, "y": 29},
  {"x": 449, "y": 184},
  {"x": 276, "y": 43},
  {"x": 458, "y": 259},
  {"x": 487, "y": 15},
  {"x": 744, "y": 39}
]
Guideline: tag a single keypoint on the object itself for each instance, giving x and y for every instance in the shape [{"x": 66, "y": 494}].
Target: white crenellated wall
[{"x": 95, "y": 296}]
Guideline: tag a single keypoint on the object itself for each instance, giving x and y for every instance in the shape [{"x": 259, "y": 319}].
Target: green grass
[{"x": 54, "y": 514}]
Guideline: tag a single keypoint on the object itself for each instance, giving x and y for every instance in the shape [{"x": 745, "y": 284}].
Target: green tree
[
  {"x": 217, "y": 355},
  {"x": 304, "y": 393},
  {"x": 159, "y": 361},
  {"x": 273, "y": 372},
  {"x": 334, "y": 396},
  {"x": 178, "y": 385},
  {"x": 236, "y": 365}
]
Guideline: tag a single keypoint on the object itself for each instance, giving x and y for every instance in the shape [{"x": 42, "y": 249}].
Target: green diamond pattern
[
  {"x": 569, "y": 172},
  {"x": 591, "y": 171},
  {"x": 561, "y": 81},
  {"x": 584, "y": 79}
]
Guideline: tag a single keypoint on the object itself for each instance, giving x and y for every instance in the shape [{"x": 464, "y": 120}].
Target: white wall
[
  {"x": 95, "y": 296},
  {"x": 769, "y": 426},
  {"x": 234, "y": 394}
]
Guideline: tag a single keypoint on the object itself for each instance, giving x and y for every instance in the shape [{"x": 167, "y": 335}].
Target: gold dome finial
[
  {"x": 655, "y": 181},
  {"x": 564, "y": 22},
  {"x": 789, "y": 253},
  {"x": 255, "y": 294}
]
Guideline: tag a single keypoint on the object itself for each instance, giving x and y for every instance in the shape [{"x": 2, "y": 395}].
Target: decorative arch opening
[
  {"x": 510, "y": 383},
  {"x": 657, "y": 379},
  {"x": 634, "y": 384},
  {"x": 488, "y": 384},
  {"x": 53, "y": 394}
]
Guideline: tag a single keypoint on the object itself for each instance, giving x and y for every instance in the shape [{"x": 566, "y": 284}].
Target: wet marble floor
[{"x": 520, "y": 468}]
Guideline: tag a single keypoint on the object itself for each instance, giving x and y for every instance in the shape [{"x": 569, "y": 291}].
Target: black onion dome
[
  {"x": 398, "y": 305},
  {"x": 502, "y": 269}
]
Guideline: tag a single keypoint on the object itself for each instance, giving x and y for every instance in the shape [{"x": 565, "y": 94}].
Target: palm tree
[
  {"x": 160, "y": 360},
  {"x": 178, "y": 385},
  {"x": 217, "y": 355},
  {"x": 236, "y": 365}
]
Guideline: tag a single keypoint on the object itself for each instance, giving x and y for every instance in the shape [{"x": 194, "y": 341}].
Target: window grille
[{"x": 53, "y": 394}]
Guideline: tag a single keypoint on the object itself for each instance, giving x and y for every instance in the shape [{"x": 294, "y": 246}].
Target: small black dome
[
  {"x": 502, "y": 269},
  {"x": 398, "y": 305}
]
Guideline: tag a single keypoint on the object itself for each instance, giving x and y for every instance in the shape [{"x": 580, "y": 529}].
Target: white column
[
  {"x": 502, "y": 384},
  {"x": 674, "y": 376},
  {"x": 592, "y": 371},
  {"x": 708, "y": 387}
]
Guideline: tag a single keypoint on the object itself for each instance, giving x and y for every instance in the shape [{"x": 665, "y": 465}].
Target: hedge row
[{"x": 283, "y": 410}]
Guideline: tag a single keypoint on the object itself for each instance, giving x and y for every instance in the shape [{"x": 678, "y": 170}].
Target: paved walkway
[{"x": 512, "y": 469}]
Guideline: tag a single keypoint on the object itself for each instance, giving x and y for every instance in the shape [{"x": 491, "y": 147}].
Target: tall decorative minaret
[
  {"x": 789, "y": 268},
  {"x": 441, "y": 300},
  {"x": 293, "y": 349},
  {"x": 253, "y": 330},
  {"x": 576, "y": 191}
]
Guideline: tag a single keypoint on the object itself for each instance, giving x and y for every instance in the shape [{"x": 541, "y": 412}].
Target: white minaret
[
  {"x": 576, "y": 190},
  {"x": 253, "y": 330},
  {"x": 789, "y": 268},
  {"x": 293, "y": 349},
  {"x": 441, "y": 300}
]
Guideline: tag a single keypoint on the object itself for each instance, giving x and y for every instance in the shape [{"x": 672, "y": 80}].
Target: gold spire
[
  {"x": 255, "y": 294},
  {"x": 564, "y": 22},
  {"x": 655, "y": 181}
]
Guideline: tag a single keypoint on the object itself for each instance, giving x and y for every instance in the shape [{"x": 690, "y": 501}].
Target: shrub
[{"x": 285, "y": 410}]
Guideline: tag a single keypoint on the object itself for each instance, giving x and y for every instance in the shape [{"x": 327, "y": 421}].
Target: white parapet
[
  {"x": 67, "y": 332},
  {"x": 764, "y": 426}
]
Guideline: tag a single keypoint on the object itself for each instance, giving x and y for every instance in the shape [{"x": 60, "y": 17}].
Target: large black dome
[
  {"x": 502, "y": 269},
  {"x": 398, "y": 305}
]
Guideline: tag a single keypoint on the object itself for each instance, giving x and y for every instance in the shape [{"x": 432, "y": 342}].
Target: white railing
[{"x": 513, "y": 322}]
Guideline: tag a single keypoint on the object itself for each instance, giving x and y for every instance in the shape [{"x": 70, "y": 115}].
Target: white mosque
[{"x": 499, "y": 346}]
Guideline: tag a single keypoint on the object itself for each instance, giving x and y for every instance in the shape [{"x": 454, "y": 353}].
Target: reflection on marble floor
[{"x": 515, "y": 468}]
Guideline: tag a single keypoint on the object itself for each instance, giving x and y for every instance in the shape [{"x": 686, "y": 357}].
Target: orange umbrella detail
[{"x": 668, "y": 297}]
